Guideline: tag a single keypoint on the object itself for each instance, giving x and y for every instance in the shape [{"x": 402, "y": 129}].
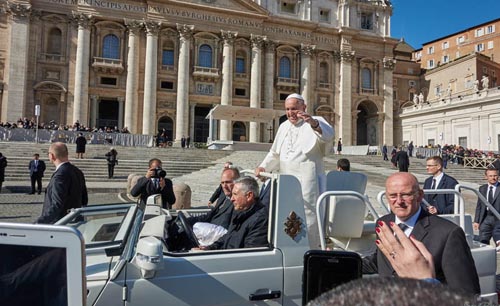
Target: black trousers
[
  {"x": 38, "y": 179},
  {"x": 111, "y": 170}
]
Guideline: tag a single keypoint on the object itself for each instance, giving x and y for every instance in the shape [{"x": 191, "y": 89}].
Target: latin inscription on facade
[{"x": 205, "y": 89}]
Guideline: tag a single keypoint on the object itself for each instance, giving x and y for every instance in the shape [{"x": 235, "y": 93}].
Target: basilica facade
[{"x": 151, "y": 65}]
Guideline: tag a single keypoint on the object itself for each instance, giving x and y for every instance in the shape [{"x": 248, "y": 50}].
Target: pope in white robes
[{"x": 298, "y": 149}]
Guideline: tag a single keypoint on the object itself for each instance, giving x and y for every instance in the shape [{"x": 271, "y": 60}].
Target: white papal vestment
[{"x": 299, "y": 150}]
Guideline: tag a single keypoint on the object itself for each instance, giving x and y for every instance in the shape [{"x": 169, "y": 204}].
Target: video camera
[{"x": 159, "y": 173}]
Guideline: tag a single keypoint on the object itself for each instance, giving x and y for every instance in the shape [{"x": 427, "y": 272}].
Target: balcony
[
  {"x": 322, "y": 85},
  {"x": 240, "y": 75},
  {"x": 206, "y": 73},
  {"x": 168, "y": 68},
  {"x": 107, "y": 65},
  {"x": 51, "y": 58},
  {"x": 368, "y": 91},
  {"x": 287, "y": 83}
]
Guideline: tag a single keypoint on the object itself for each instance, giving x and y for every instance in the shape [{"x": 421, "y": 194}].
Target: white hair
[{"x": 296, "y": 96}]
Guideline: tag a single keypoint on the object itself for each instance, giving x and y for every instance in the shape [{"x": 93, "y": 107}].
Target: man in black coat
[
  {"x": 440, "y": 203},
  {"x": 155, "y": 182},
  {"x": 222, "y": 212},
  {"x": 248, "y": 227},
  {"x": 453, "y": 262},
  {"x": 484, "y": 220},
  {"x": 37, "y": 168},
  {"x": 402, "y": 160},
  {"x": 81, "y": 142},
  {"x": 66, "y": 189}
]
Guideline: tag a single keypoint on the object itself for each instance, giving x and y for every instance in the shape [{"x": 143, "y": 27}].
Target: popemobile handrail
[
  {"x": 481, "y": 198},
  {"x": 320, "y": 202}
]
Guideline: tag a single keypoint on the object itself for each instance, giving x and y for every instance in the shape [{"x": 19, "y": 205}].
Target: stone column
[
  {"x": 81, "y": 96},
  {"x": 345, "y": 129},
  {"x": 93, "y": 110},
  {"x": 150, "y": 75},
  {"x": 269, "y": 85},
  {"x": 131, "y": 92},
  {"x": 388, "y": 133},
  {"x": 192, "y": 108},
  {"x": 16, "y": 65},
  {"x": 121, "y": 102},
  {"x": 306, "y": 51},
  {"x": 181, "y": 124},
  {"x": 227, "y": 80},
  {"x": 255, "y": 82}
]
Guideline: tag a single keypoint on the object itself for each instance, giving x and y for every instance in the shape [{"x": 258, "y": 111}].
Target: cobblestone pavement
[{"x": 25, "y": 208}]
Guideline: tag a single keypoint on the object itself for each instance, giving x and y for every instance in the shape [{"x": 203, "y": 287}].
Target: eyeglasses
[{"x": 404, "y": 196}]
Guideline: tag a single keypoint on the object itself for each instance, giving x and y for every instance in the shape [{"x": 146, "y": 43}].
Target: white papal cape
[{"x": 299, "y": 150}]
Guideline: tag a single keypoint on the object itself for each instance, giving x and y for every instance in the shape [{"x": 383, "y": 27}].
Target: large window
[
  {"x": 111, "y": 47},
  {"x": 323, "y": 73},
  {"x": 54, "y": 41},
  {"x": 167, "y": 58},
  {"x": 285, "y": 71},
  {"x": 366, "y": 21},
  {"x": 240, "y": 65},
  {"x": 366, "y": 75},
  {"x": 205, "y": 56}
]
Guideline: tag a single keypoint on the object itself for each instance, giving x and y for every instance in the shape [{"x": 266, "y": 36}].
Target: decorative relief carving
[
  {"x": 228, "y": 36},
  {"x": 271, "y": 46},
  {"x": 152, "y": 27},
  {"x": 307, "y": 49},
  {"x": 18, "y": 10},
  {"x": 347, "y": 56},
  {"x": 134, "y": 26},
  {"x": 81, "y": 20},
  {"x": 257, "y": 41},
  {"x": 185, "y": 31},
  {"x": 389, "y": 63}
]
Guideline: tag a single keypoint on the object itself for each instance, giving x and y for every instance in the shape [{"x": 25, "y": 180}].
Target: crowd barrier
[
  {"x": 30, "y": 135},
  {"x": 479, "y": 163}
]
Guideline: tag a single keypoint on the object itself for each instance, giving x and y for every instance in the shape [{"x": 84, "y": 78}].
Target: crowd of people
[{"x": 27, "y": 123}]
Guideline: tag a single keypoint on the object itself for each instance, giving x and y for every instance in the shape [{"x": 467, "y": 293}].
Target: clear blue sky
[{"x": 420, "y": 21}]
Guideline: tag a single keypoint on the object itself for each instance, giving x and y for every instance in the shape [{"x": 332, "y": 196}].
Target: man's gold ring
[{"x": 393, "y": 254}]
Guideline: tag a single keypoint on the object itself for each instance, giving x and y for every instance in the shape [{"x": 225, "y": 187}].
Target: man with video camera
[{"x": 155, "y": 182}]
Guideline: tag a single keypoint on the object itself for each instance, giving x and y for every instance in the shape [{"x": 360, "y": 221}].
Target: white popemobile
[{"x": 141, "y": 255}]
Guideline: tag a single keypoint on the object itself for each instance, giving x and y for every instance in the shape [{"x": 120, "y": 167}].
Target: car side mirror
[{"x": 149, "y": 256}]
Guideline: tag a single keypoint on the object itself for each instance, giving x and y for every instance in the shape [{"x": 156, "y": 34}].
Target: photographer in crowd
[{"x": 155, "y": 182}]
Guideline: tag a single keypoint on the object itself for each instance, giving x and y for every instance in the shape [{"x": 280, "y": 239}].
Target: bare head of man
[
  {"x": 227, "y": 179},
  {"x": 58, "y": 153},
  {"x": 404, "y": 194},
  {"x": 245, "y": 193}
]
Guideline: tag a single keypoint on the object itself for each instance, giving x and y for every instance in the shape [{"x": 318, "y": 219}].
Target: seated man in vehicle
[
  {"x": 223, "y": 211},
  {"x": 248, "y": 226}
]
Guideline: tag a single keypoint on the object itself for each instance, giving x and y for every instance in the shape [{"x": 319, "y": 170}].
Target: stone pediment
[{"x": 240, "y": 6}]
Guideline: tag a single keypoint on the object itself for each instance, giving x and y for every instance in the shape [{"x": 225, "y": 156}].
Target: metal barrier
[
  {"x": 481, "y": 198},
  {"x": 479, "y": 163}
]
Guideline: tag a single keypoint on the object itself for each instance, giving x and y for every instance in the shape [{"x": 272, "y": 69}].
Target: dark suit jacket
[
  {"x": 265, "y": 195},
  {"x": 221, "y": 214},
  {"x": 146, "y": 188},
  {"x": 481, "y": 208},
  {"x": 39, "y": 170},
  {"x": 443, "y": 202},
  {"x": 66, "y": 190},
  {"x": 446, "y": 242}
]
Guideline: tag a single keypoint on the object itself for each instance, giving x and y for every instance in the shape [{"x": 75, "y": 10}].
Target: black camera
[{"x": 159, "y": 173}]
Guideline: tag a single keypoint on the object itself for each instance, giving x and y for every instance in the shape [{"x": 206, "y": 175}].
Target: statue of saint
[
  {"x": 421, "y": 98},
  {"x": 415, "y": 99},
  {"x": 485, "y": 81},
  {"x": 476, "y": 85}
]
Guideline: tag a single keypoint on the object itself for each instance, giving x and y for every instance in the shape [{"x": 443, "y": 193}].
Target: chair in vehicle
[{"x": 345, "y": 224}]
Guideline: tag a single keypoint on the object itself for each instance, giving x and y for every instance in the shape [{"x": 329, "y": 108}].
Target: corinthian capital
[
  {"x": 19, "y": 11},
  {"x": 152, "y": 27},
  {"x": 228, "y": 36},
  {"x": 82, "y": 20},
  {"x": 389, "y": 63},
  {"x": 134, "y": 26},
  {"x": 185, "y": 31},
  {"x": 271, "y": 46},
  {"x": 307, "y": 49},
  {"x": 347, "y": 56},
  {"x": 257, "y": 41}
]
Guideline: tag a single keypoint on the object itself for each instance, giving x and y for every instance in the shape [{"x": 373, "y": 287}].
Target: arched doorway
[
  {"x": 367, "y": 129},
  {"x": 239, "y": 131},
  {"x": 166, "y": 123},
  {"x": 50, "y": 110}
]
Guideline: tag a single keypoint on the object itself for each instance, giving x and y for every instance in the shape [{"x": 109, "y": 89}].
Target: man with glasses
[
  {"x": 484, "y": 220},
  {"x": 439, "y": 203},
  {"x": 222, "y": 212},
  {"x": 66, "y": 189},
  {"x": 453, "y": 262}
]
